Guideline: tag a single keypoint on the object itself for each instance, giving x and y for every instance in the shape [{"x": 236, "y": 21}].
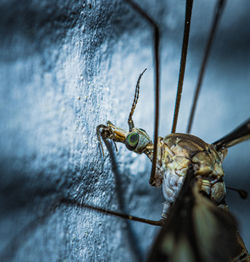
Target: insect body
[{"x": 176, "y": 152}]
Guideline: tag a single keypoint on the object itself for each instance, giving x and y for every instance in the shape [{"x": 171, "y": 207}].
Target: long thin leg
[
  {"x": 71, "y": 202},
  {"x": 189, "y": 5},
  {"x": 218, "y": 12},
  {"x": 157, "y": 78}
]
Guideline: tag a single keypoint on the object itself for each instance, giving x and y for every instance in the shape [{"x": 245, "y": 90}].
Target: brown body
[{"x": 176, "y": 153}]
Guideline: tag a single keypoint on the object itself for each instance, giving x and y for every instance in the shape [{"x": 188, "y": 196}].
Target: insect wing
[
  {"x": 238, "y": 135},
  {"x": 196, "y": 229}
]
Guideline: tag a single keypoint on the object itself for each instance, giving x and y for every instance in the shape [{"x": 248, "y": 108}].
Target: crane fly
[{"x": 189, "y": 170}]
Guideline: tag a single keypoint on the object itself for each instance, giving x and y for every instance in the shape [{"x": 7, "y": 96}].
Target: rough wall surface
[{"x": 67, "y": 66}]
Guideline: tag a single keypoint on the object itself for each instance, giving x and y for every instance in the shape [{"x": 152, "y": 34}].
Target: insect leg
[
  {"x": 189, "y": 5},
  {"x": 98, "y": 133},
  {"x": 71, "y": 202},
  {"x": 218, "y": 12}
]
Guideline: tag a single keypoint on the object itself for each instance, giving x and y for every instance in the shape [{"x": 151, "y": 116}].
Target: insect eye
[{"x": 132, "y": 141}]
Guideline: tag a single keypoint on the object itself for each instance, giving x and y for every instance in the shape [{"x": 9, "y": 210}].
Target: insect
[
  {"x": 83, "y": 235},
  {"x": 178, "y": 156}
]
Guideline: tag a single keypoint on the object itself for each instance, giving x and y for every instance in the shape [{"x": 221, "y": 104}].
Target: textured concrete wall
[{"x": 67, "y": 66}]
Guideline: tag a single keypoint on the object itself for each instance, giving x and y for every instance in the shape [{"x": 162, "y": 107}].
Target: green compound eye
[{"x": 132, "y": 141}]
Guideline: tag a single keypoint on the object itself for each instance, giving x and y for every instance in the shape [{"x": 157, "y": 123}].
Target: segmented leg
[{"x": 189, "y": 6}]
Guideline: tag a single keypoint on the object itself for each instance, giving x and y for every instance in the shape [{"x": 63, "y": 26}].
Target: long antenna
[
  {"x": 189, "y": 5},
  {"x": 157, "y": 79},
  {"x": 136, "y": 97},
  {"x": 218, "y": 12}
]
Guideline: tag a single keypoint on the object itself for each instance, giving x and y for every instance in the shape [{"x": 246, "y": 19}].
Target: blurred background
[{"x": 66, "y": 67}]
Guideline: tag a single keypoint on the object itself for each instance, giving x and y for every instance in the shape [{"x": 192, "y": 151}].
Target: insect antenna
[
  {"x": 188, "y": 15},
  {"x": 156, "y": 59},
  {"x": 136, "y": 97},
  {"x": 218, "y": 12}
]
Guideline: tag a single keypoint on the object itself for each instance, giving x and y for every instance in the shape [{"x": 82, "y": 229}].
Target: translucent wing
[{"x": 196, "y": 230}]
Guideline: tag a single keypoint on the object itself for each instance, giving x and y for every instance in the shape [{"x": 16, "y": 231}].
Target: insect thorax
[{"x": 176, "y": 152}]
